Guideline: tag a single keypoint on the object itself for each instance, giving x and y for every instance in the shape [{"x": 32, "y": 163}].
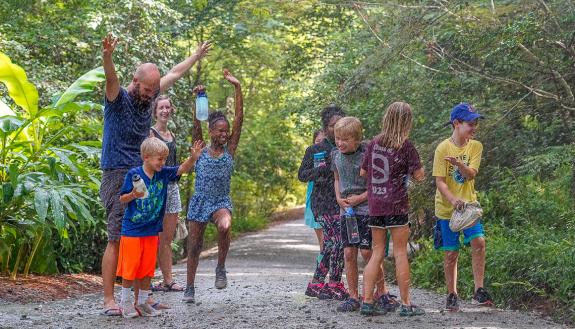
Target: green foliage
[{"x": 43, "y": 198}]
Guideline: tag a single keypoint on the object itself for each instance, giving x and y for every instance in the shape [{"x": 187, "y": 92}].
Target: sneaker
[
  {"x": 221, "y": 279},
  {"x": 452, "y": 302},
  {"x": 388, "y": 302},
  {"x": 338, "y": 291},
  {"x": 189, "y": 294},
  {"x": 128, "y": 310},
  {"x": 410, "y": 310},
  {"x": 325, "y": 292},
  {"x": 146, "y": 310},
  {"x": 333, "y": 291},
  {"x": 350, "y": 305},
  {"x": 482, "y": 298},
  {"x": 313, "y": 289},
  {"x": 371, "y": 309}
]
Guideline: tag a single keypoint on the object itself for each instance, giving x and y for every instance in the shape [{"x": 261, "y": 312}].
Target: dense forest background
[{"x": 514, "y": 60}]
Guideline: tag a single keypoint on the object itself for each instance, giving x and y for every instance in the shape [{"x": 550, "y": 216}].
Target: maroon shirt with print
[{"x": 387, "y": 171}]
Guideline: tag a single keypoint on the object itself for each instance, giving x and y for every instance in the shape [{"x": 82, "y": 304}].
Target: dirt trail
[{"x": 268, "y": 273}]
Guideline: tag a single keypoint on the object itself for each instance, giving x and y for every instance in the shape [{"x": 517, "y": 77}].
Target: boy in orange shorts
[{"x": 143, "y": 221}]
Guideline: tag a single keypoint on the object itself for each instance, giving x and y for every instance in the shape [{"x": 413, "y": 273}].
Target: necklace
[{"x": 454, "y": 143}]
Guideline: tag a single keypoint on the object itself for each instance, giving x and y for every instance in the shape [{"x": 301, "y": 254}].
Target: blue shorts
[{"x": 445, "y": 239}]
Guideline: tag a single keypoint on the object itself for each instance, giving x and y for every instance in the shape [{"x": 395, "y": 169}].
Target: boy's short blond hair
[
  {"x": 349, "y": 127},
  {"x": 152, "y": 146}
]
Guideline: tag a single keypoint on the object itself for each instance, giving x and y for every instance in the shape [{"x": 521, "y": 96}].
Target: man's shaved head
[{"x": 145, "y": 85}]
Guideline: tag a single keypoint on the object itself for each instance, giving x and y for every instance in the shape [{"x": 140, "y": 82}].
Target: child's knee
[
  {"x": 350, "y": 255},
  {"x": 478, "y": 245},
  {"x": 366, "y": 254}
]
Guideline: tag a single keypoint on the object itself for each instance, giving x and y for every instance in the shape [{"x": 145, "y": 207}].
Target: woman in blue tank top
[{"x": 211, "y": 200}]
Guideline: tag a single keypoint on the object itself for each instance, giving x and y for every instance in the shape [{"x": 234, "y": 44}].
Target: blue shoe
[
  {"x": 388, "y": 302},
  {"x": 410, "y": 310},
  {"x": 372, "y": 309}
]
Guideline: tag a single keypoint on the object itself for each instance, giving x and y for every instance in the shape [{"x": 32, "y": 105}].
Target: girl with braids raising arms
[{"x": 211, "y": 200}]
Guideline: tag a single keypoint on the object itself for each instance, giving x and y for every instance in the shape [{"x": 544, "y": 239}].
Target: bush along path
[{"x": 267, "y": 273}]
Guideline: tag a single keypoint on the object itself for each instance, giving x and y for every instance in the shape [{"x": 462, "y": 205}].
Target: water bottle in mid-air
[
  {"x": 351, "y": 225},
  {"x": 202, "y": 106},
  {"x": 140, "y": 186}
]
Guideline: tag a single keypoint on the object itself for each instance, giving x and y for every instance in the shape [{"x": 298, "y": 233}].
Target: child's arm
[
  {"x": 239, "y": 112},
  {"x": 129, "y": 197},
  {"x": 307, "y": 172},
  {"x": 354, "y": 200},
  {"x": 466, "y": 171},
  {"x": 195, "y": 152},
  {"x": 444, "y": 190},
  {"x": 419, "y": 175}
]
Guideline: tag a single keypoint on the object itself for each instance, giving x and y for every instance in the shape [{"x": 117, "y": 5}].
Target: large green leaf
[
  {"x": 84, "y": 84},
  {"x": 22, "y": 92},
  {"x": 58, "y": 214},
  {"x": 9, "y": 123},
  {"x": 41, "y": 199}
]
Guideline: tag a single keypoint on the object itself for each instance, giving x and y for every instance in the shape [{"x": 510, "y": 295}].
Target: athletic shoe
[
  {"x": 482, "y": 298},
  {"x": 388, "y": 302},
  {"x": 313, "y": 289},
  {"x": 410, "y": 310},
  {"x": 452, "y": 303},
  {"x": 146, "y": 310},
  {"x": 350, "y": 305},
  {"x": 335, "y": 291},
  {"x": 189, "y": 294},
  {"x": 221, "y": 279},
  {"x": 338, "y": 291},
  {"x": 371, "y": 309}
]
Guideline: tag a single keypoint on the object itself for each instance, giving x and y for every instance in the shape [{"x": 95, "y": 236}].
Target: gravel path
[{"x": 267, "y": 274}]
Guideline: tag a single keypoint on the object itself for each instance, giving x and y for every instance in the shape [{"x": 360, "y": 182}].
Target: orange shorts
[{"x": 137, "y": 258}]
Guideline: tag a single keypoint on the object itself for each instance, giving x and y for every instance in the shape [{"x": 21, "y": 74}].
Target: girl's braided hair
[{"x": 215, "y": 117}]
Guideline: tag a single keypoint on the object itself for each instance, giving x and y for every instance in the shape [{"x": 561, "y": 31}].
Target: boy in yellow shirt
[{"x": 455, "y": 165}]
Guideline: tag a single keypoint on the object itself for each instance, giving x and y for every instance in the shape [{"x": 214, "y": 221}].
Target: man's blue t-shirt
[
  {"x": 144, "y": 217},
  {"x": 125, "y": 128}
]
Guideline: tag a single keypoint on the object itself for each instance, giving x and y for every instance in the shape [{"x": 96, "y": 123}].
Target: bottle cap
[{"x": 136, "y": 178}]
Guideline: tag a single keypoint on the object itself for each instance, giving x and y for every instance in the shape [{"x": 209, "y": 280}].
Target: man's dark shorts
[
  {"x": 112, "y": 181},
  {"x": 364, "y": 233}
]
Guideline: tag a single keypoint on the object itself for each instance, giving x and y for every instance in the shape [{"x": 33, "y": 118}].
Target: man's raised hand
[
  {"x": 109, "y": 44},
  {"x": 203, "y": 50}
]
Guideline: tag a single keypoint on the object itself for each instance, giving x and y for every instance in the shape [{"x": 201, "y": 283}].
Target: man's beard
[{"x": 141, "y": 103}]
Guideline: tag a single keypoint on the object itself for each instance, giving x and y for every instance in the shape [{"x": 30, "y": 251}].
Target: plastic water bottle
[
  {"x": 319, "y": 160},
  {"x": 140, "y": 186},
  {"x": 351, "y": 225},
  {"x": 202, "y": 106}
]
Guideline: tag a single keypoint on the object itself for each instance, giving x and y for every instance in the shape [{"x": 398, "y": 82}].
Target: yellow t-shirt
[{"x": 470, "y": 154}]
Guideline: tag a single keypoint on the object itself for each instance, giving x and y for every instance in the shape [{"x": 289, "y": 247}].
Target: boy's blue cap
[{"x": 464, "y": 112}]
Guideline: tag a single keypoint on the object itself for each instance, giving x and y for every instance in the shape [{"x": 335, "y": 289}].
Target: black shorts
[
  {"x": 364, "y": 233},
  {"x": 388, "y": 221}
]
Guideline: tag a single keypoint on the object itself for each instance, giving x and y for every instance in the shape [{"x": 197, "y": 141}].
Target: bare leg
[
  {"x": 450, "y": 269},
  {"x": 478, "y": 261},
  {"x": 319, "y": 234},
  {"x": 400, "y": 236},
  {"x": 223, "y": 221},
  {"x": 195, "y": 242},
  {"x": 109, "y": 266},
  {"x": 381, "y": 289},
  {"x": 350, "y": 258},
  {"x": 165, "y": 252},
  {"x": 373, "y": 268}
]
